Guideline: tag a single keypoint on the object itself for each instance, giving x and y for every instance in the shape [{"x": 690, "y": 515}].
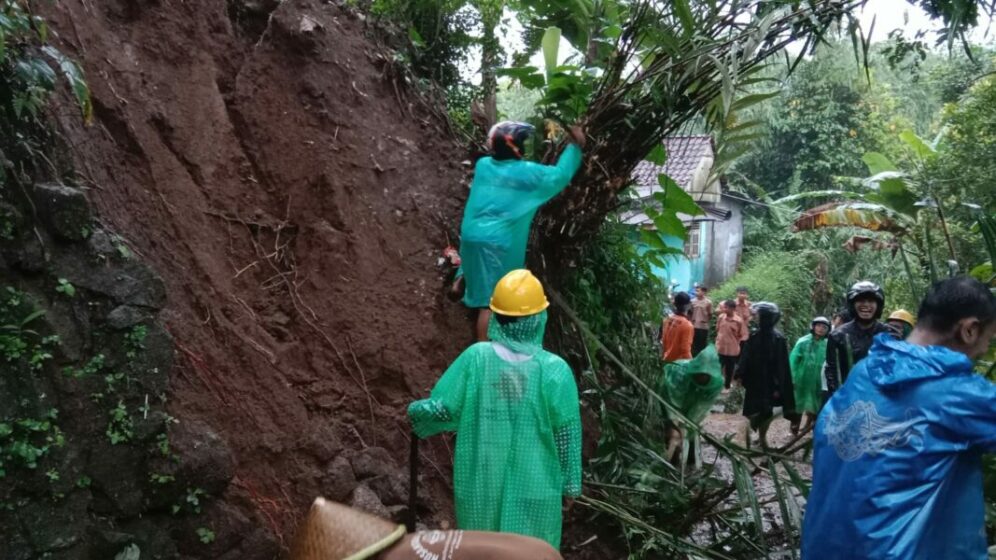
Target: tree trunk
[
  {"x": 489, "y": 81},
  {"x": 490, "y": 52}
]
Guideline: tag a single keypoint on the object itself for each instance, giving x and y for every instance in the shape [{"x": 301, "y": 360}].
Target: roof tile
[{"x": 683, "y": 156}]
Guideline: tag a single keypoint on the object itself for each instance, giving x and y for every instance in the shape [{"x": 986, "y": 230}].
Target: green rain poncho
[
  {"x": 503, "y": 199},
  {"x": 680, "y": 389},
  {"x": 514, "y": 407},
  {"x": 807, "y": 360}
]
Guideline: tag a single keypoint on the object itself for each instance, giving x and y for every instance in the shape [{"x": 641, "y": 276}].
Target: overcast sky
[
  {"x": 887, "y": 15},
  {"x": 893, "y": 14}
]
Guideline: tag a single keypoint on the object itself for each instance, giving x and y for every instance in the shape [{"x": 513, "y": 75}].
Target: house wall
[
  {"x": 726, "y": 245},
  {"x": 686, "y": 271}
]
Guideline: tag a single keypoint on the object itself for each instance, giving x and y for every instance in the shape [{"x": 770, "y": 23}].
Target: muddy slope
[{"x": 295, "y": 203}]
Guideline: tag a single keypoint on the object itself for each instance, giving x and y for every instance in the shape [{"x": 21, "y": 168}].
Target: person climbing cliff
[
  {"x": 514, "y": 407},
  {"x": 504, "y": 196},
  {"x": 850, "y": 343}
]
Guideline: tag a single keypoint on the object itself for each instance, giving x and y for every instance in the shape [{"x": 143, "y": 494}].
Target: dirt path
[{"x": 722, "y": 424}]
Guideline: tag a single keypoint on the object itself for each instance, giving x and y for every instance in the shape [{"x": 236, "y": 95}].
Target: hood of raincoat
[
  {"x": 924, "y": 362},
  {"x": 681, "y": 390},
  {"x": 896, "y": 458},
  {"x": 522, "y": 336}
]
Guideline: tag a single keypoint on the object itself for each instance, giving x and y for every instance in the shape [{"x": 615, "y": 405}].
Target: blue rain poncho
[
  {"x": 503, "y": 199},
  {"x": 897, "y": 465},
  {"x": 514, "y": 408}
]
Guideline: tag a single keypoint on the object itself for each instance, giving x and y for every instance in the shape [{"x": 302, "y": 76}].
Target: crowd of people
[
  {"x": 899, "y": 418},
  {"x": 754, "y": 353}
]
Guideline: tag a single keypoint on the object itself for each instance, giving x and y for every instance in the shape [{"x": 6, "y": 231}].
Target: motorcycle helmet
[
  {"x": 507, "y": 139},
  {"x": 865, "y": 288},
  {"x": 767, "y": 313}
]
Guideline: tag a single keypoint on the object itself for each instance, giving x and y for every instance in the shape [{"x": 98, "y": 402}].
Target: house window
[{"x": 692, "y": 242}]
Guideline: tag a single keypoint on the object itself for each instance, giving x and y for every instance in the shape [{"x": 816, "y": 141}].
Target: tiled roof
[{"x": 683, "y": 156}]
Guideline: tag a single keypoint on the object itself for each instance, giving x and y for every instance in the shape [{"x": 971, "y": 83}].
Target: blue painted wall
[{"x": 686, "y": 271}]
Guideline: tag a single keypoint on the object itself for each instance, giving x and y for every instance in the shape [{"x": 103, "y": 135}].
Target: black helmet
[
  {"x": 507, "y": 140},
  {"x": 865, "y": 288},
  {"x": 768, "y": 314},
  {"x": 820, "y": 320}
]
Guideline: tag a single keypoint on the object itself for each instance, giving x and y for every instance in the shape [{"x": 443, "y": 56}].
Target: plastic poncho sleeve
[
  {"x": 556, "y": 177},
  {"x": 441, "y": 411},
  {"x": 565, "y": 418},
  {"x": 970, "y": 413},
  {"x": 797, "y": 357}
]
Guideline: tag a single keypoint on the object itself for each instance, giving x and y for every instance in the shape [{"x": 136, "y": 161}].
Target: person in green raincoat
[
  {"x": 806, "y": 360},
  {"x": 506, "y": 193},
  {"x": 691, "y": 386},
  {"x": 515, "y": 410}
]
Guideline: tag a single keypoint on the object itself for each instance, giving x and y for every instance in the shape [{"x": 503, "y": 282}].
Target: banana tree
[{"x": 901, "y": 203}]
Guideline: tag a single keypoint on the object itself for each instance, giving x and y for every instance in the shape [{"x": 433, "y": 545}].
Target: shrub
[{"x": 783, "y": 277}]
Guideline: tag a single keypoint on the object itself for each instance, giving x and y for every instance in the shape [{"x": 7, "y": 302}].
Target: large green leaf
[
  {"x": 891, "y": 188},
  {"x": 653, "y": 239},
  {"x": 74, "y": 75},
  {"x": 753, "y": 99},
  {"x": 551, "y": 47},
  {"x": 877, "y": 163},
  {"x": 528, "y": 76},
  {"x": 674, "y": 198},
  {"x": 983, "y": 272},
  {"x": 657, "y": 156},
  {"x": 667, "y": 223},
  {"x": 919, "y": 147},
  {"x": 683, "y": 10},
  {"x": 894, "y": 194}
]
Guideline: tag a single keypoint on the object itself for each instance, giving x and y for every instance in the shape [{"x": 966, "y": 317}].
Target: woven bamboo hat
[{"x": 333, "y": 531}]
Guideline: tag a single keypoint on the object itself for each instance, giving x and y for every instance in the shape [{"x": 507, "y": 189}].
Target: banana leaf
[{"x": 874, "y": 217}]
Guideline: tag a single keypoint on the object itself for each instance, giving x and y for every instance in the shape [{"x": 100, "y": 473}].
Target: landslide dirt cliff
[{"x": 266, "y": 161}]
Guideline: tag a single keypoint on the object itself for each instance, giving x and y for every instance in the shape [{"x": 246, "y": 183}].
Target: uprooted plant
[{"x": 609, "y": 311}]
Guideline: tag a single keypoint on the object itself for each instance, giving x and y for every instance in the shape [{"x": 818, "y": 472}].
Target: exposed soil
[{"x": 295, "y": 203}]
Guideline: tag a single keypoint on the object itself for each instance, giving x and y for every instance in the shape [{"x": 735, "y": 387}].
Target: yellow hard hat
[
  {"x": 904, "y": 316},
  {"x": 519, "y": 294}
]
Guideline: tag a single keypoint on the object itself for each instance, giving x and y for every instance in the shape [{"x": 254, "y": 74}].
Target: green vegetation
[
  {"x": 120, "y": 427},
  {"x": 27, "y": 79},
  {"x": 25, "y": 441},
  {"x": 784, "y": 278},
  {"x": 205, "y": 535},
  {"x": 65, "y": 288}
]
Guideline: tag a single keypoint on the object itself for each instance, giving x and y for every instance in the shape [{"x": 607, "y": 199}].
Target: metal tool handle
[{"x": 412, "y": 484}]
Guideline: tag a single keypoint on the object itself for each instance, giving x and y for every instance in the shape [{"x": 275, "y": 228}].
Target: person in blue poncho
[
  {"x": 506, "y": 193},
  {"x": 897, "y": 467}
]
